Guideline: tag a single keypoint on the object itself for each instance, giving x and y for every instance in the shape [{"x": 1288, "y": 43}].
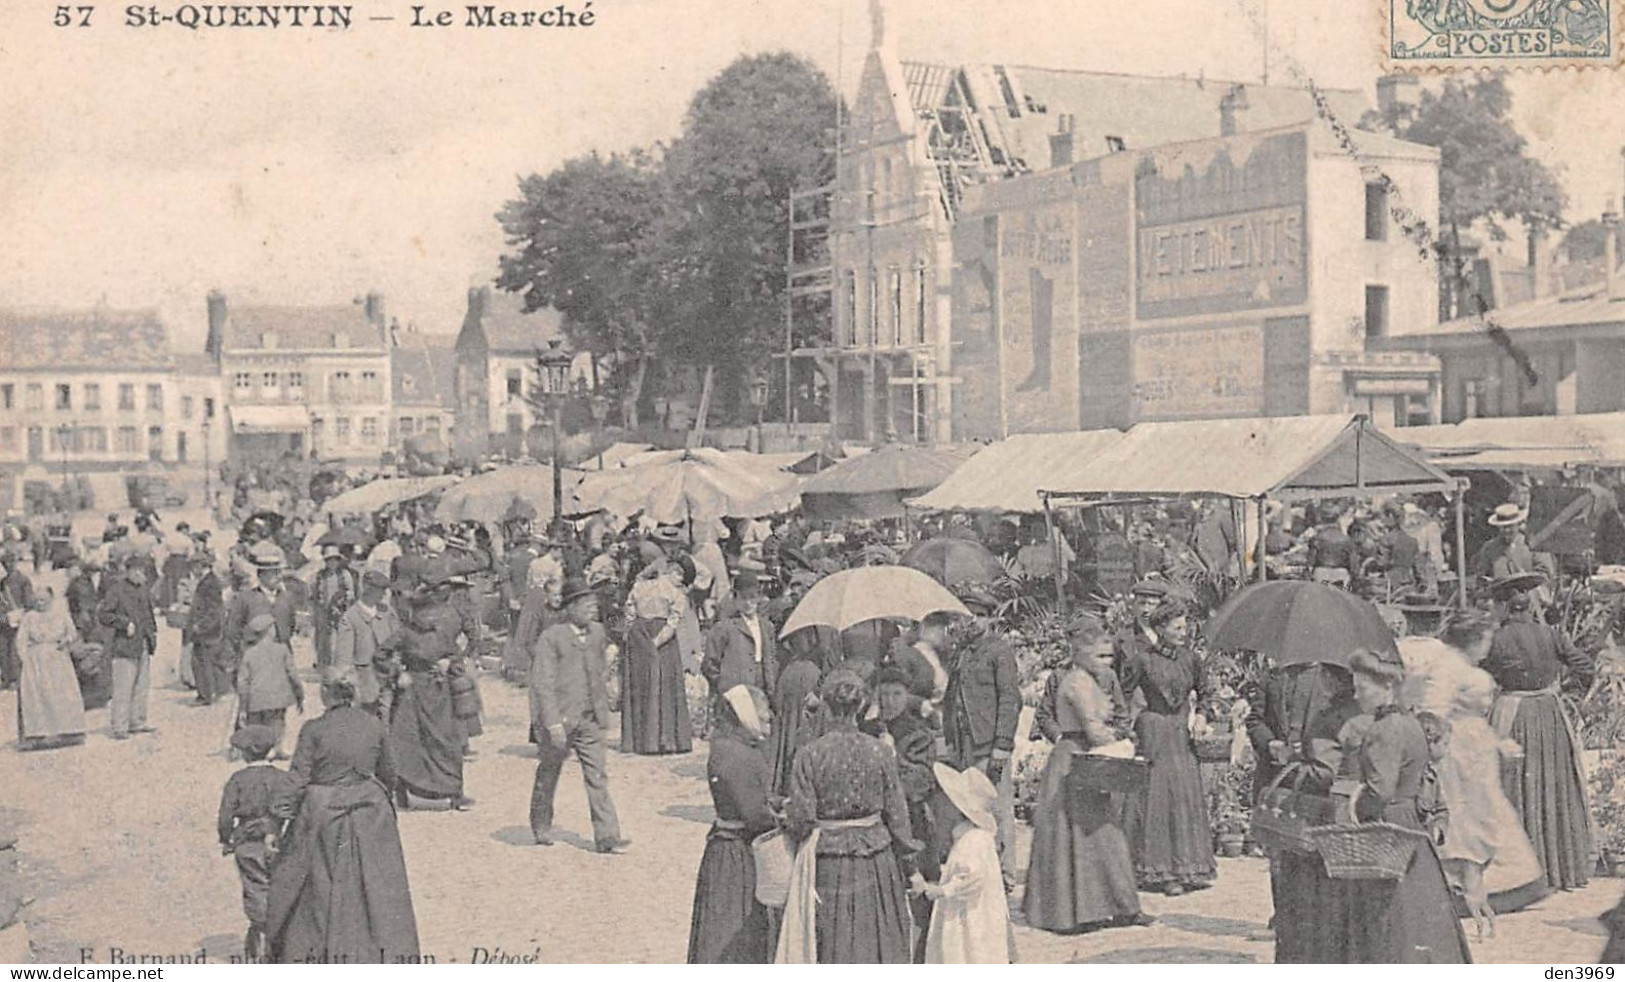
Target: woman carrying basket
[
  {"x": 1411, "y": 919},
  {"x": 1081, "y": 875}
]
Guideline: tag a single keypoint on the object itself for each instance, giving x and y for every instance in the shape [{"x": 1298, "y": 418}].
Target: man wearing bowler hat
[
  {"x": 569, "y": 705},
  {"x": 739, "y": 648}
]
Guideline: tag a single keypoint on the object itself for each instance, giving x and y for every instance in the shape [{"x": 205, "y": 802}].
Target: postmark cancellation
[{"x": 1450, "y": 34}]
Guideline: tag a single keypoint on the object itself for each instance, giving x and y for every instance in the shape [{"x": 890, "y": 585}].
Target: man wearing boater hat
[{"x": 267, "y": 595}]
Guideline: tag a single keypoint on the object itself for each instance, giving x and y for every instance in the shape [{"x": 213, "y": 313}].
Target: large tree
[
  {"x": 582, "y": 244},
  {"x": 758, "y": 131}
]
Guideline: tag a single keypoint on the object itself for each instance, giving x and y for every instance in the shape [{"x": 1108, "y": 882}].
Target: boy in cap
[
  {"x": 247, "y": 829},
  {"x": 267, "y": 683}
]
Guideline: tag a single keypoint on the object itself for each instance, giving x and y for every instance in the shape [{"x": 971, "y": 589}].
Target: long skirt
[
  {"x": 1613, "y": 953},
  {"x": 863, "y": 916},
  {"x": 49, "y": 706},
  {"x": 728, "y": 927},
  {"x": 655, "y": 718},
  {"x": 1080, "y": 871},
  {"x": 339, "y": 893},
  {"x": 1407, "y": 921},
  {"x": 1544, "y": 786},
  {"x": 794, "y": 725},
  {"x": 425, "y": 738},
  {"x": 1309, "y": 908},
  {"x": 1167, "y": 823}
]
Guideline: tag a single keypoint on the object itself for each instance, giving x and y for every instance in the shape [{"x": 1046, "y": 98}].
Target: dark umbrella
[
  {"x": 952, "y": 562},
  {"x": 349, "y": 535},
  {"x": 1297, "y": 621}
]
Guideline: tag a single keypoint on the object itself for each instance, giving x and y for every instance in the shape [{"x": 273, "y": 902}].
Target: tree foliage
[
  {"x": 679, "y": 255},
  {"x": 1485, "y": 171}
]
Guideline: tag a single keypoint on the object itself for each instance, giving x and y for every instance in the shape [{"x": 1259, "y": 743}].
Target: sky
[{"x": 142, "y": 167}]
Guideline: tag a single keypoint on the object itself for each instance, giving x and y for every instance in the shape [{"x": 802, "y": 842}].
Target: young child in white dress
[{"x": 970, "y": 920}]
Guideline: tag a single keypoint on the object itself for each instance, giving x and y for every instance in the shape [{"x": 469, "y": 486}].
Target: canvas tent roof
[
  {"x": 1282, "y": 458},
  {"x": 1522, "y": 443},
  {"x": 1007, "y": 476}
]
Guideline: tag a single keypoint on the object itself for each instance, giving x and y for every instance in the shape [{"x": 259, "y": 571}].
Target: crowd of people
[{"x": 862, "y": 779}]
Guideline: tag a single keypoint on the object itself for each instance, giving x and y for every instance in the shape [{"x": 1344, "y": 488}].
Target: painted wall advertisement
[
  {"x": 1221, "y": 227},
  {"x": 1207, "y": 372}
]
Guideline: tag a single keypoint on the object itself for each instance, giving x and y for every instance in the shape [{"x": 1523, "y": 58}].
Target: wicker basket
[
  {"x": 1213, "y": 749},
  {"x": 1369, "y": 851},
  {"x": 1283, "y": 817},
  {"x": 1091, "y": 773}
]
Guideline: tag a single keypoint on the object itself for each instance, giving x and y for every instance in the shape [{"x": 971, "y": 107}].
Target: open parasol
[
  {"x": 952, "y": 561},
  {"x": 1297, "y": 621},
  {"x": 868, "y": 593},
  {"x": 508, "y": 492},
  {"x": 380, "y": 494},
  {"x": 701, "y": 485}
]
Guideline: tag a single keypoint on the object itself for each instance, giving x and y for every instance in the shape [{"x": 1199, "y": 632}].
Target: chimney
[
  {"x": 375, "y": 309},
  {"x": 217, "y": 323},
  {"x": 1061, "y": 142},
  {"x": 1610, "y": 254},
  {"x": 1396, "y": 90},
  {"x": 1233, "y": 102}
]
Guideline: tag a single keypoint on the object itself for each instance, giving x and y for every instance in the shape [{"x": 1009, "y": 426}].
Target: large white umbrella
[
  {"x": 701, "y": 485},
  {"x": 868, "y": 593},
  {"x": 487, "y": 497},
  {"x": 382, "y": 493}
]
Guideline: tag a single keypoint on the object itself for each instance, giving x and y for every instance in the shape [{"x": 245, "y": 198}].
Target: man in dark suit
[
  {"x": 132, "y": 631},
  {"x": 569, "y": 707},
  {"x": 739, "y": 649},
  {"x": 1298, "y": 706},
  {"x": 268, "y": 595},
  {"x": 980, "y": 713},
  {"x": 206, "y": 632}
]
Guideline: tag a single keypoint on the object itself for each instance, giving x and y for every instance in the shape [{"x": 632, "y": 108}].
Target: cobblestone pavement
[{"x": 118, "y": 849}]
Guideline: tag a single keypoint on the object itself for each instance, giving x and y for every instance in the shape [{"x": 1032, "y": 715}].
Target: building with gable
[
  {"x": 423, "y": 371},
  {"x": 496, "y": 379}
]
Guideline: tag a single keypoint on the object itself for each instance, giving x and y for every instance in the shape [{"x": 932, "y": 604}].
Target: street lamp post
[{"x": 553, "y": 365}]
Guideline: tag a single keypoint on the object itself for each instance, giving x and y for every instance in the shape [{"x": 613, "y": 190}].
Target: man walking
[
  {"x": 364, "y": 635},
  {"x": 132, "y": 631},
  {"x": 266, "y": 596},
  {"x": 205, "y": 631},
  {"x": 569, "y": 705},
  {"x": 739, "y": 649}
]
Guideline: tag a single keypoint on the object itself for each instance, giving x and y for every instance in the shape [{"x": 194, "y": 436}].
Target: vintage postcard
[{"x": 788, "y": 481}]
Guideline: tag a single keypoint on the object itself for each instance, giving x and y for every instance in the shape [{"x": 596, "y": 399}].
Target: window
[
  {"x": 341, "y": 387},
  {"x": 1376, "y": 212},
  {"x": 1115, "y": 144},
  {"x": 8, "y": 438},
  {"x": 127, "y": 440},
  {"x": 242, "y": 381},
  {"x": 64, "y": 396},
  {"x": 61, "y": 439},
  {"x": 187, "y": 406},
  {"x": 405, "y": 426},
  {"x": 93, "y": 396},
  {"x": 872, "y": 318},
  {"x": 370, "y": 389},
  {"x": 155, "y": 443},
  {"x": 849, "y": 325},
  {"x": 208, "y": 407},
  {"x": 126, "y": 397},
  {"x": 919, "y": 304},
  {"x": 318, "y": 427},
  {"x": 94, "y": 439},
  {"x": 8, "y": 397},
  {"x": 431, "y": 424},
  {"x": 341, "y": 429},
  {"x": 296, "y": 385},
  {"x": 895, "y": 292},
  {"x": 369, "y": 429},
  {"x": 1376, "y": 311},
  {"x": 269, "y": 381},
  {"x": 155, "y": 398},
  {"x": 516, "y": 381},
  {"x": 34, "y": 397}
]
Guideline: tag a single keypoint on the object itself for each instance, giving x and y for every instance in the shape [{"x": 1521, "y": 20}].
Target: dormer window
[{"x": 1115, "y": 144}]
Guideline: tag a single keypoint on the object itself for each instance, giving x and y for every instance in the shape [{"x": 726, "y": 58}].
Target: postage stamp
[{"x": 1447, "y": 34}]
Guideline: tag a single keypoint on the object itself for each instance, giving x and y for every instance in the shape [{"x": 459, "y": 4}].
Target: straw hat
[
  {"x": 1509, "y": 514},
  {"x": 971, "y": 792}
]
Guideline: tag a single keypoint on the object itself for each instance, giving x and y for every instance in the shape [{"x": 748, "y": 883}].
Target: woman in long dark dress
[
  {"x": 729, "y": 926},
  {"x": 795, "y": 723},
  {"x": 1167, "y": 823},
  {"x": 848, "y": 891},
  {"x": 655, "y": 717},
  {"x": 1412, "y": 919},
  {"x": 1527, "y": 660},
  {"x": 339, "y": 893},
  {"x": 426, "y": 740},
  {"x": 1080, "y": 874}
]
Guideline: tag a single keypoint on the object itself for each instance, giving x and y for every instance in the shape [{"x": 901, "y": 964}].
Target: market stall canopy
[
  {"x": 1521, "y": 443},
  {"x": 380, "y": 494},
  {"x": 1007, "y": 476},
  {"x": 869, "y": 593},
  {"x": 876, "y": 484},
  {"x": 269, "y": 419},
  {"x": 488, "y": 497},
  {"x": 674, "y": 486},
  {"x": 1283, "y": 458}
]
